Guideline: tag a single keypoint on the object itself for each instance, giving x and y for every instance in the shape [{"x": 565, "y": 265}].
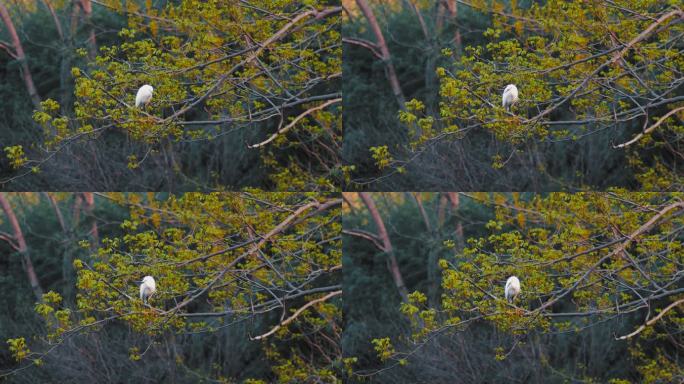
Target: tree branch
[
  {"x": 296, "y": 314},
  {"x": 295, "y": 121},
  {"x": 652, "y": 321},
  {"x": 649, "y": 129}
]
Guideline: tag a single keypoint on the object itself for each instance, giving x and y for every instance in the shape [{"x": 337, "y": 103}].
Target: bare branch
[
  {"x": 649, "y": 129},
  {"x": 296, "y": 314},
  {"x": 365, "y": 235},
  {"x": 295, "y": 121},
  {"x": 652, "y": 321}
]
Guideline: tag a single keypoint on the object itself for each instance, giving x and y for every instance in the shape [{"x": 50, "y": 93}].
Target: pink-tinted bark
[
  {"x": 392, "y": 264},
  {"x": 384, "y": 50},
  {"x": 20, "y": 56},
  {"x": 21, "y": 247}
]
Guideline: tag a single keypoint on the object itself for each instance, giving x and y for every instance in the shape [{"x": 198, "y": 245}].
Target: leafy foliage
[
  {"x": 601, "y": 294},
  {"x": 594, "y": 94},
  {"x": 244, "y": 70},
  {"x": 265, "y": 265}
]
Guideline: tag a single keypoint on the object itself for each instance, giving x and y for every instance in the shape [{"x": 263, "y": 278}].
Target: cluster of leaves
[{"x": 583, "y": 259}]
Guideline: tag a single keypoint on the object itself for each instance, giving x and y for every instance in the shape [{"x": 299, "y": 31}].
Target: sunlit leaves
[
  {"x": 569, "y": 62},
  {"x": 384, "y": 349},
  {"x": 381, "y": 156},
  {"x": 18, "y": 348},
  {"x": 583, "y": 259},
  {"x": 16, "y": 155},
  {"x": 242, "y": 68}
]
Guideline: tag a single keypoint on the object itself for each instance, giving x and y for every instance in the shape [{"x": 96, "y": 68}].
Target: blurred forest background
[
  {"x": 226, "y": 76},
  {"x": 424, "y": 79},
  {"x": 421, "y": 271},
  {"x": 235, "y": 265}
]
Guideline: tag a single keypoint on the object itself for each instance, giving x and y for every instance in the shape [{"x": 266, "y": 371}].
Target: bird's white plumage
[
  {"x": 510, "y": 96},
  {"x": 147, "y": 288},
  {"x": 512, "y": 288},
  {"x": 144, "y": 95}
]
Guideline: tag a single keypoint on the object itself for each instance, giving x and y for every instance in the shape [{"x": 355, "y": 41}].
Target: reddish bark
[
  {"x": 21, "y": 245},
  {"x": 392, "y": 264},
  {"x": 423, "y": 213},
  {"x": 87, "y": 8},
  {"x": 58, "y": 212},
  {"x": 384, "y": 50},
  {"x": 452, "y": 7},
  {"x": 58, "y": 25},
  {"x": 90, "y": 205},
  {"x": 441, "y": 210},
  {"x": 455, "y": 203},
  {"x": 76, "y": 210},
  {"x": 20, "y": 56}
]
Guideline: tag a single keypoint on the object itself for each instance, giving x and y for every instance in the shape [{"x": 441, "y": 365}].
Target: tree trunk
[
  {"x": 67, "y": 264},
  {"x": 90, "y": 205},
  {"x": 432, "y": 257},
  {"x": 21, "y": 57},
  {"x": 386, "y": 57},
  {"x": 87, "y": 7},
  {"x": 421, "y": 208},
  {"x": 392, "y": 264},
  {"x": 452, "y": 7},
  {"x": 76, "y": 210},
  {"x": 58, "y": 212},
  {"x": 21, "y": 244},
  {"x": 441, "y": 210},
  {"x": 454, "y": 197},
  {"x": 58, "y": 25}
]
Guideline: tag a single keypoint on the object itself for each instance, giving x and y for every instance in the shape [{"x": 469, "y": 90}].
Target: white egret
[
  {"x": 144, "y": 95},
  {"x": 147, "y": 288},
  {"x": 512, "y": 288},
  {"x": 510, "y": 96}
]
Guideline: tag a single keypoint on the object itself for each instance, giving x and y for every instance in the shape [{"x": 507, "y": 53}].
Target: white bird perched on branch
[
  {"x": 147, "y": 288},
  {"x": 512, "y": 288},
  {"x": 510, "y": 96},
  {"x": 144, "y": 95}
]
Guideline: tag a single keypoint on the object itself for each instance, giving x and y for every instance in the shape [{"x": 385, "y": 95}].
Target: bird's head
[{"x": 147, "y": 280}]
